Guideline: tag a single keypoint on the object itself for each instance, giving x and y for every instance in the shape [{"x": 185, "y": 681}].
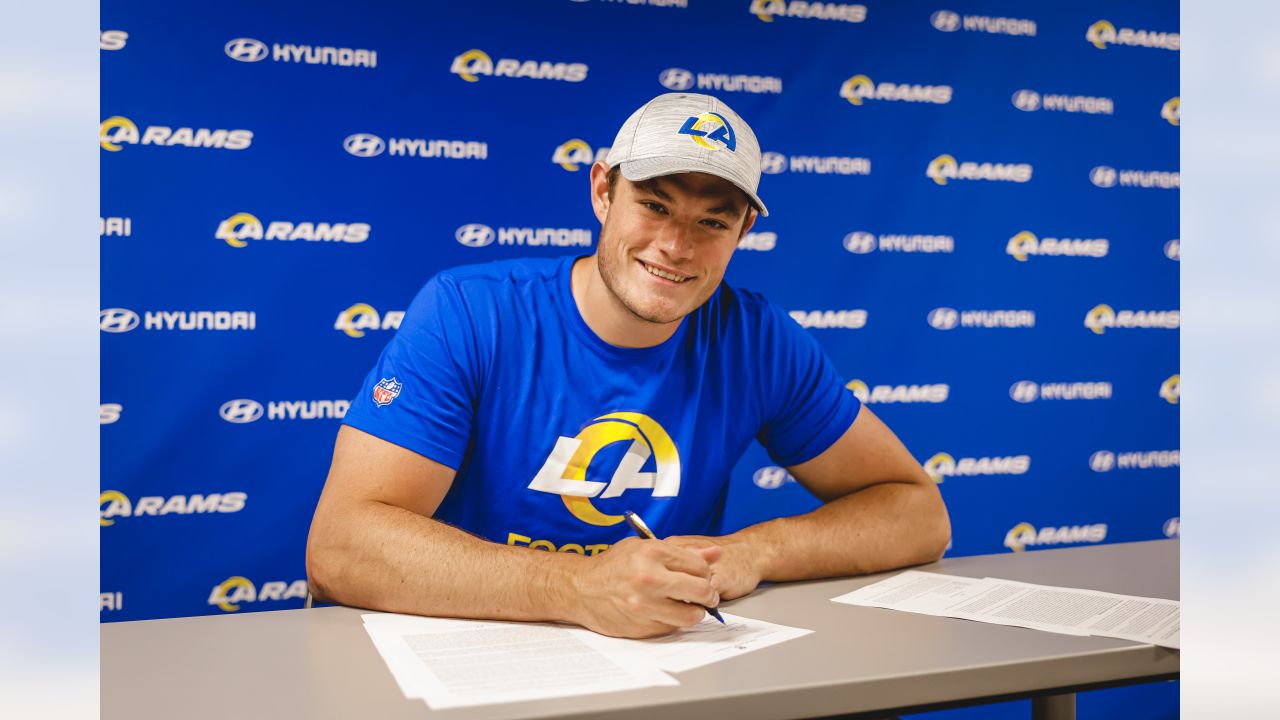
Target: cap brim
[{"x": 652, "y": 167}]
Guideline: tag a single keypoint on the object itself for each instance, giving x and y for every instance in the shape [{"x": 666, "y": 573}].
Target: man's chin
[{"x": 656, "y": 314}]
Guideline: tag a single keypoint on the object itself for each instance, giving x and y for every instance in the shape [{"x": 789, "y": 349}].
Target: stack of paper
[
  {"x": 1041, "y": 607},
  {"x": 455, "y": 663}
]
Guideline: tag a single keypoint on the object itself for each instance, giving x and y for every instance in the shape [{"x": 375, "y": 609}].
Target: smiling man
[{"x": 523, "y": 406}]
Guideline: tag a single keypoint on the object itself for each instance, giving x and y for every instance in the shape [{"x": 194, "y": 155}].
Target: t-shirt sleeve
[
  {"x": 423, "y": 391},
  {"x": 807, "y": 407}
]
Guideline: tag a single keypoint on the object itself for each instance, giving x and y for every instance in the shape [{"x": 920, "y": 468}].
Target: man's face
[{"x": 665, "y": 242}]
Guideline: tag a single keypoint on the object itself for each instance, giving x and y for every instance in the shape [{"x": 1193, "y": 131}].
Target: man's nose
[{"x": 676, "y": 241}]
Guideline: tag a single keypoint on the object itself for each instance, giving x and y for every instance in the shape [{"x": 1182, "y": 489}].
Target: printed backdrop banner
[{"x": 974, "y": 211}]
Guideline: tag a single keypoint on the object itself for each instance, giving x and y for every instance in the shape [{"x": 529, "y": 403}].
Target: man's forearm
[
  {"x": 388, "y": 558},
  {"x": 885, "y": 526}
]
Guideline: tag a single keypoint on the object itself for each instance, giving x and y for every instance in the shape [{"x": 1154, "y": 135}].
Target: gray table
[{"x": 319, "y": 663}]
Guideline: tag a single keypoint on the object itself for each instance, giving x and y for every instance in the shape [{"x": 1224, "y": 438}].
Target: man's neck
[{"x": 605, "y": 314}]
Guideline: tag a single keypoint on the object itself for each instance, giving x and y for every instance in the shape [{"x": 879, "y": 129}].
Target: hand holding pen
[{"x": 641, "y": 529}]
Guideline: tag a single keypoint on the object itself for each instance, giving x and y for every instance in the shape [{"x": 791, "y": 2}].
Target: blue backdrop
[{"x": 974, "y": 210}]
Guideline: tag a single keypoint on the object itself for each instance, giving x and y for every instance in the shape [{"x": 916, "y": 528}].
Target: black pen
[{"x": 643, "y": 531}]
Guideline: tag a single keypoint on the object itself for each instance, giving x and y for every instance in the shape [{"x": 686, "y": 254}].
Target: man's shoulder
[
  {"x": 482, "y": 283},
  {"x": 470, "y": 301}
]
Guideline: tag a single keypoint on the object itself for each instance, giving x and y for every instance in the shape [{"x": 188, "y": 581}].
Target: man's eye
[
  {"x": 716, "y": 224},
  {"x": 654, "y": 206}
]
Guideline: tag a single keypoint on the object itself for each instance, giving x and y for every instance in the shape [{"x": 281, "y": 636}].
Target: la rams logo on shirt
[
  {"x": 386, "y": 390},
  {"x": 710, "y": 127},
  {"x": 565, "y": 471}
]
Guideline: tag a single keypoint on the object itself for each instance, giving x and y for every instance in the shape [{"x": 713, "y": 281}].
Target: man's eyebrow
[
  {"x": 730, "y": 208},
  {"x": 651, "y": 186}
]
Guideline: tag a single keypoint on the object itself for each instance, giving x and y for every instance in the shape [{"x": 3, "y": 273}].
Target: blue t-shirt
[{"x": 554, "y": 433}]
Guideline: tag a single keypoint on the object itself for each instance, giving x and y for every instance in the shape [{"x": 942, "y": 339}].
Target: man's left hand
[{"x": 735, "y": 574}]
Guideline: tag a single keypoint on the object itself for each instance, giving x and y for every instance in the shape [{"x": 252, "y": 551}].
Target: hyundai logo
[
  {"x": 240, "y": 411},
  {"x": 117, "y": 320},
  {"x": 944, "y": 318},
  {"x": 246, "y": 50},
  {"x": 474, "y": 235},
  {"x": 1102, "y": 461},
  {"x": 364, "y": 145},
  {"x": 1024, "y": 391},
  {"x": 860, "y": 243},
  {"x": 676, "y": 79},
  {"x": 1103, "y": 176},
  {"x": 771, "y": 477},
  {"x": 1026, "y": 100},
  {"x": 772, "y": 163},
  {"x": 945, "y": 20}
]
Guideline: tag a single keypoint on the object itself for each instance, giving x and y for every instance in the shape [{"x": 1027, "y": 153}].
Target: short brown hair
[{"x": 614, "y": 172}]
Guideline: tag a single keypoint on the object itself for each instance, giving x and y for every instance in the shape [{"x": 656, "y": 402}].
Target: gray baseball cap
[{"x": 687, "y": 132}]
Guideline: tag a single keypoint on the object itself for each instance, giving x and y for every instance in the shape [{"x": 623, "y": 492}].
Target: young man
[{"x": 524, "y": 405}]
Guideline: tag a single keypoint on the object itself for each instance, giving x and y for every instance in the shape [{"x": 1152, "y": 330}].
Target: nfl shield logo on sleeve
[{"x": 386, "y": 391}]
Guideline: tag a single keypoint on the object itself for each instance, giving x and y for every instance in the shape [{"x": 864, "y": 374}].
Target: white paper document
[
  {"x": 455, "y": 663},
  {"x": 705, "y": 643},
  {"x": 1069, "y": 611}
]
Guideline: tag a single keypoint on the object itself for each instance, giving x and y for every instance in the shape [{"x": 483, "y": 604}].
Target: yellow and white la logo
[
  {"x": 1021, "y": 244},
  {"x": 1020, "y": 536},
  {"x": 565, "y": 471},
  {"x": 1101, "y": 34},
  {"x": 940, "y": 466},
  {"x": 576, "y": 152},
  {"x": 1100, "y": 318},
  {"x": 238, "y": 226},
  {"x": 934, "y": 393},
  {"x": 944, "y": 465},
  {"x": 1171, "y": 389},
  {"x": 113, "y": 504},
  {"x": 766, "y": 9},
  {"x": 228, "y": 594},
  {"x": 472, "y": 63},
  {"x": 945, "y": 167},
  {"x": 115, "y": 130},
  {"x": 1026, "y": 244},
  {"x": 1024, "y": 535},
  {"x": 856, "y": 88},
  {"x": 941, "y": 168},
  {"x": 860, "y": 87},
  {"x": 360, "y": 317},
  {"x": 1172, "y": 110},
  {"x": 116, "y": 502}
]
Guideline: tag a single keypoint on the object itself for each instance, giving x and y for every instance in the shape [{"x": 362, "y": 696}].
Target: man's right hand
[{"x": 644, "y": 588}]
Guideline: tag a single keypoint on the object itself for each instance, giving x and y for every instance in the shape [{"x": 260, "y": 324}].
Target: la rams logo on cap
[{"x": 710, "y": 127}]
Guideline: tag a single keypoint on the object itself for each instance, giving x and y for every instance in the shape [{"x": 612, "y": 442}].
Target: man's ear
[
  {"x": 600, "y": 190},
  {"x": 752, "y": 214}
]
